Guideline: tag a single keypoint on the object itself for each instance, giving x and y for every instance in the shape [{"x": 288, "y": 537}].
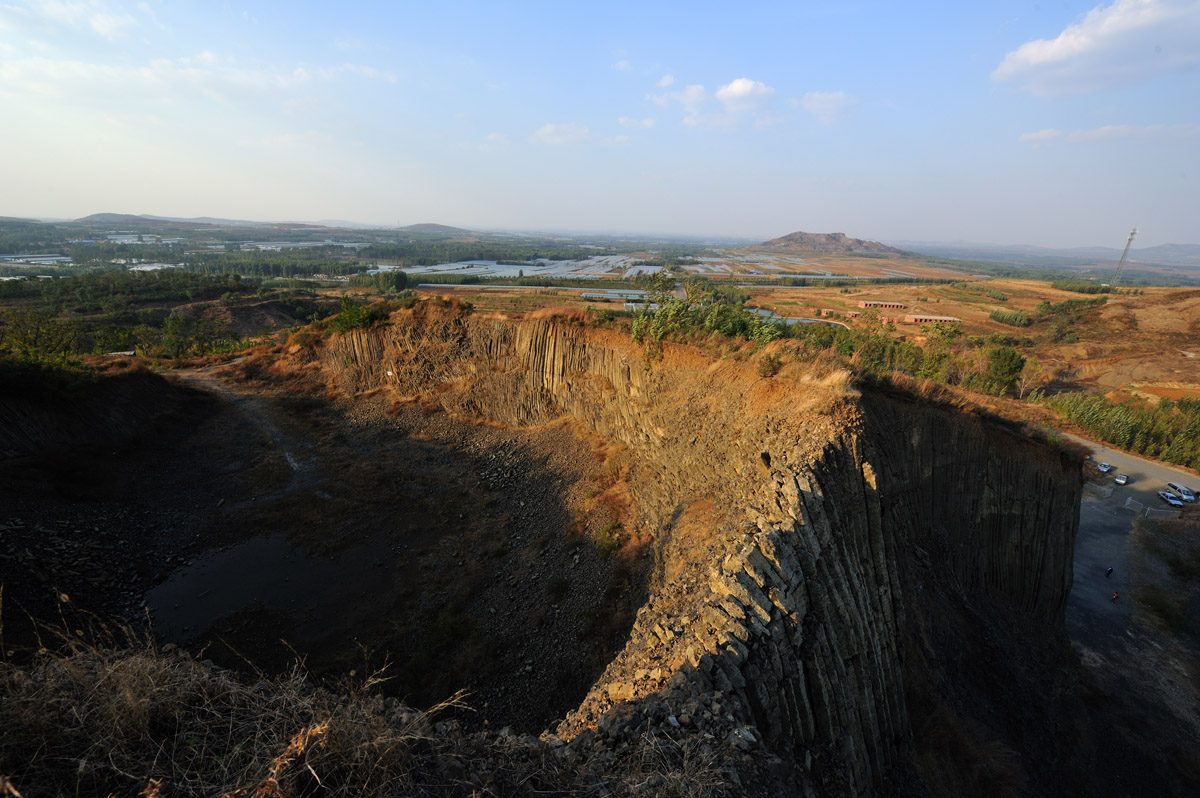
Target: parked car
[
  {"x": 1183, "y": 493},
  {"x": 1122, "y": 479},
  {"x": 1105, "y": 468},
  {"x": 1170, "y": 498}
]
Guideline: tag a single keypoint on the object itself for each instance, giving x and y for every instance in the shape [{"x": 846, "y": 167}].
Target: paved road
[{"x": 1103, "y": 541}]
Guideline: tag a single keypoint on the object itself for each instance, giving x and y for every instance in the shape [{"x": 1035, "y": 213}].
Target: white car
[
  {"x": 1122, "y": 479},
  {"x": 1170, "y": 498},
  {"x": 1105, "y": 468},
  {"x": 1183, "y": 493}
]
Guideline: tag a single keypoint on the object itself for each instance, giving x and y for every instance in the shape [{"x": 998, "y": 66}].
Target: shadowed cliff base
[
  {"x": 849, "y": 594},
  {"x": 259, "y": 526}
]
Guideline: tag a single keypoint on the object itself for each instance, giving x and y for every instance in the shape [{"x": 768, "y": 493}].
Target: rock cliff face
[{"x": 841, "y": 580}]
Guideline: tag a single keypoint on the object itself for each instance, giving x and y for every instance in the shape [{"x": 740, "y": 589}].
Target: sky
[{"x": 1049, "y": 123}]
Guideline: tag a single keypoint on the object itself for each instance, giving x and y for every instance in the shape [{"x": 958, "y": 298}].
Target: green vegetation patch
[
  {"x": 1013, "y": 318},
  {"x": 1169, "y": 431}
]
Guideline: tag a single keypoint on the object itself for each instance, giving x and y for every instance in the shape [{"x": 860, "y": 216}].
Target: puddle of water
[{"x": 318, "y": 593}]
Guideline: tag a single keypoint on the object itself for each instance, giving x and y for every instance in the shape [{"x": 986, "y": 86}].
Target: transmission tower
[{"x": 1116, "y": 280}]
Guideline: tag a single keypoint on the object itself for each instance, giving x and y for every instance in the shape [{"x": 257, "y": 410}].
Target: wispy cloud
[
  {"x": 692, "y": 98},
  {"x": 205, "y": 74},
  {"x": 493, "y": 142},
  {"x": 665, "y": 81},
  {"x": 623, "y": 65},
  {"x": 560, "y": 134},
  {"x": 1182, "y": 131},
  {"x": 636, "y": 124},
  {"x": 99, "y": 17},
  {"x": 826, "y": 106},
  {"x": 1136, "y": 131},
  {"x": 1040, "y": 135},
  {"x": 1126, "y": 42}
]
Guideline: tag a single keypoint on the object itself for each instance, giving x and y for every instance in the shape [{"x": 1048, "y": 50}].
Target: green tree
[
  {"x": 1004, "y": 368},
  {"x": 176, "y": 335}
]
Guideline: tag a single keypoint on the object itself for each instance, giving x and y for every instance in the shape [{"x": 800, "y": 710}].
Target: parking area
[{"x": 1106, "y": 515}]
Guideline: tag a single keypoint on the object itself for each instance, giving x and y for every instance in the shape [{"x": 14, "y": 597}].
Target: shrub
[
  {"x": 1013, "y": 318},
  {"x": 1081, "y": 287},
  {"x": 608, "y": 539},
  {"x": 769, "y": 365},
  {"x": 983, "y": 290}
]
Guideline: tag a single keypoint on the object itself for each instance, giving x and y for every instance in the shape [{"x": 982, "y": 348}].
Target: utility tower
[{"x": 1116, "y": 280}]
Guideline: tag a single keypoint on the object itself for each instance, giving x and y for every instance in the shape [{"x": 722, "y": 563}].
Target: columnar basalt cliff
[{"x": 841, "y": 581}]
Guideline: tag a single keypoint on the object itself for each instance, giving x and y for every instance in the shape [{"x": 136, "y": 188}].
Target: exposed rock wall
[{"x": 798, "y": 527}]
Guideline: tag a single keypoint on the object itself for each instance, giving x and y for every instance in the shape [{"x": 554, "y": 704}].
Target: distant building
[
  {"x": 867, "y": 303},
  {"x": 918, "y": 318}
]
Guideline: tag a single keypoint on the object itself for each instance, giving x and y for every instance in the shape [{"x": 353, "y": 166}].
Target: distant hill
[
  {"x": 439, "y": 229},
  {"x": 205, "y": 220},
  {"x": 114, "y": 218},
  {"x": 826, "y": 242}
]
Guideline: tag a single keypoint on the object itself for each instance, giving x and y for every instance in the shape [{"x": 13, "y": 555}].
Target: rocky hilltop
[
  {"x": 864, "y": 590},
  {"x": 826, "y": 242}
]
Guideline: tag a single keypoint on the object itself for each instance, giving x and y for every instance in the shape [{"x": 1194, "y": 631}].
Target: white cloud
[
  {"x": 744, "y": 96},
  {"x": 636, "y": 124},
  {"x": 77, "y": 14},
  {"x": 665, "y": 81},
  {"x": 826, "y": 106},
  {"x": 1126, "y": 42},
  {"x": 1040, "y": 135},
  {"x": 110, "y": 25},
  {"x": 616, "y": 141},
  {"x": 560, "y": 134},
  {"x": 623, "y": 66}
]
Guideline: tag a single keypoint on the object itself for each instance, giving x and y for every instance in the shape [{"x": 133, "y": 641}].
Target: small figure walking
[
  {"x": 1108, "y": 572},
  {"x": 1116, "y": 596}
]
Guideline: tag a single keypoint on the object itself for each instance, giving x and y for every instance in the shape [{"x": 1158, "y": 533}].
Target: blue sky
[{"x": 1051, "y": 123}]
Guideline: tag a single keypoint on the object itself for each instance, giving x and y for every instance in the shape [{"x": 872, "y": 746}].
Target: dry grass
[
  {"x": 562, "y": 313},
  {"x": 122, "y": 717},
  {"x": 92, "y": 720}
]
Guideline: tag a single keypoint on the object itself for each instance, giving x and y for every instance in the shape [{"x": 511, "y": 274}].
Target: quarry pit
[{"x": 856, "y": 592}]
